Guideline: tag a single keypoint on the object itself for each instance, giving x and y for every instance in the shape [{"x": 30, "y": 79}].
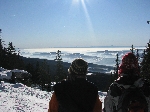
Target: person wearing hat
[
  {"x": 75, "y": 94},
  {"x": 128, "y": 75}
]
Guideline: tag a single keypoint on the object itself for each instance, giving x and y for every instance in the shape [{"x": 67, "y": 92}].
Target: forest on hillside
[{"x": 44, "y": 72}]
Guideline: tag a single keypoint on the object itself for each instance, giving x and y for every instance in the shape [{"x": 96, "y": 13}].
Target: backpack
[{"x": 132, "y": 100}]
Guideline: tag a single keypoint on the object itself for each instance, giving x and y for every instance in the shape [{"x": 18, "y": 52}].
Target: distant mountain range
[{"x": 111, "y": 46}]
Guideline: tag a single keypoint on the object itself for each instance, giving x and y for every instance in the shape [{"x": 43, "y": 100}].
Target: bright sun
[{"x": 75, "y": 1}]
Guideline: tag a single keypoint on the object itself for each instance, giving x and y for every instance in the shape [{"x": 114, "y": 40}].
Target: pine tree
[
  {"x": 1, "y": 46},
  {"x": 30, "y": 68},
  {"x": 20, "y": 63},
  {"x": 11, "y": 58},
  {"x": 135, "y": 52},
  {"x": 60, "y": 74},
  {"x": 117, "y": 67},
  {"x": 145, "y": 64},
  {"x": 2, "y": 51},
  {"x": 132, "y": 49},
  {"x": 36, "y": 74},
  {"x": 11, "y": 49},
  {"x": 44, "y": 74}
]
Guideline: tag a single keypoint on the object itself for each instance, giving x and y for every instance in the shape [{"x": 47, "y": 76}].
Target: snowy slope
[{"x": 20, "y": 98}]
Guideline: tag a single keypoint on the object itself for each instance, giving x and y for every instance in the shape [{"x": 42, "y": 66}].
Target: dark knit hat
[
  {"x": 129, "y": 62},
  {"x": 78, "y": 67}
]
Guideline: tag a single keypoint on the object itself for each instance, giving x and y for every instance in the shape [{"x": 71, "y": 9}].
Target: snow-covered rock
[
  {"x": 2, "y": 69},
  {"x": 17, "y": 70},
  {"x": 7, "y": 74}
]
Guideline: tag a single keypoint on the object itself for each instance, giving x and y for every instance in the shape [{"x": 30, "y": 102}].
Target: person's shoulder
[
  {"x": 127, "y": 79},
  {"x": 89, "y": 82},
  {"x": 145, "y": 82},
  {"x": 61, "y": 84},
  {"x": 92, "y": 85},
  {"x": 120, "y": 80}
]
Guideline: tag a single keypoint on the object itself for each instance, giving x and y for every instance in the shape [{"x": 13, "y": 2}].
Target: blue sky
[{"x": 75, "y": 23}]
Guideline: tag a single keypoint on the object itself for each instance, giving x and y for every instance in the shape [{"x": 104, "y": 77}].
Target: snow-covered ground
[{"x": 20, "y": 98}]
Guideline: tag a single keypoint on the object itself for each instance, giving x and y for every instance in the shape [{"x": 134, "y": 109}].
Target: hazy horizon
[{"x": 89, "y": 47}]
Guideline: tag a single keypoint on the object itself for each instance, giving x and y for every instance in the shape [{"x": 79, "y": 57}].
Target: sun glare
[
  {"x": 83, "y": 3},
  {"x": 90, "y": 26},
  {"x": 77, "y": 1}
]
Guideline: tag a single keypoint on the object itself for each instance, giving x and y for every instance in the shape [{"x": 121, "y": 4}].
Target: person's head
[
  {"x": 78, "y": 69},
  {"x": 129, "y": 64}
]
